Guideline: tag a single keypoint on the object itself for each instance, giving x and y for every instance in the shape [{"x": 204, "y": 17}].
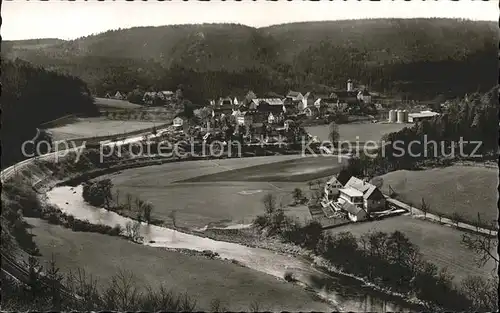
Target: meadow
[
  {"x": 221, "y": 191},
  {"x": 201, "y": 278},
  {"x": 97, "y": 126},
  {"x": 467, "y": 190},
  {"x": 438, "y": 244},
  {"x": 357, "y": 131},
  {"x": 105, "y": 103}
]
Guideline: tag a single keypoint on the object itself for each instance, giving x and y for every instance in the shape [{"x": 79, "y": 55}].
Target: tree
[
  {"x": 482, "y": 293},
  {"x": 456, "y": 218},
  {"x": 34, "y": 278},
  {"x": 483, "y": 245},
  {"x": 269, "y": 201},
  {"x": 333, "y": 133},
  {"x": 172, "y": 216},
  {"x": 147, "y": 207},
  {"x": 132, "y": 231},
  {"x": 54, "y": 279},
  {"x": 310, "y": 184},
  {"x": 424, "y": 207},
  {"x": 129, "y": 198},
  {"x": 319, "y": 182},
  {"x": 298, "y": 195}
]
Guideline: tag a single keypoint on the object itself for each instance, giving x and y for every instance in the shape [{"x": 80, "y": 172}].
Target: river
[{"x": 345, "y": 294}]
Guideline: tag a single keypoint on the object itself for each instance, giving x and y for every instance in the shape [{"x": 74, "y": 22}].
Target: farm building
[{"x": 423, "y": 115}]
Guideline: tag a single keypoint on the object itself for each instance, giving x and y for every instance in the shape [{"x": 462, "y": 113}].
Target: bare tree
[
  {"x": 129, "y": 201},
  {"x": 483, "y": 245},
  {"x": 456, "y": 218},
  {"x": 269, "y": 201},
  {"x": 147, "y": 208},
  {"x": 132, "y": 231},
  {"x": 298, "y": 195},
  {"x": 424, "y": 207},
  {"x": 217, "y": 306},
  {"x": 310, "y": 184},
  {"x": 254, "y": 306},
  {"x": 173, "y": 217},
  {"x": 333, "y": 133},
  {"x": 117, "y": 197}
]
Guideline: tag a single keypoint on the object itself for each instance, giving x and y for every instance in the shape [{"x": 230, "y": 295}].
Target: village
[
  {"x": 262, "y": 119},
  {"x": 278, "y": 124}
]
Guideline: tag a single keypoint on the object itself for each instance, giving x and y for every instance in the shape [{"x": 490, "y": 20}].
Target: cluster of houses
[
  {"x": 357, "y": 199},
  {"x": 149, "y": 97},
  {"x": 275, "y": 108}
]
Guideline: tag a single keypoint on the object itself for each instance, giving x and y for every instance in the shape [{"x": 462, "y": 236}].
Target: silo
[
  {"x": 392, "y": 116},
  {"x": 400, "y": 115},
  {"x": 405, "y": 116}
]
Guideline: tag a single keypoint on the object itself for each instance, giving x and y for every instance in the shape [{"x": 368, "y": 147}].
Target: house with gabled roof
[
  {"x": 357, "y": 198},
  {"x": 372, "y": 198}
]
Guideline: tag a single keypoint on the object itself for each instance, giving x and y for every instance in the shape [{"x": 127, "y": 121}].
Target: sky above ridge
[{"x": 70, "y": 20}]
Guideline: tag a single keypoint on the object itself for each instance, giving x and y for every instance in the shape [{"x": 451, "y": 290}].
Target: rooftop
[
  {"x": 423, "y": 114},
  {"x": 351, "y": 192}
]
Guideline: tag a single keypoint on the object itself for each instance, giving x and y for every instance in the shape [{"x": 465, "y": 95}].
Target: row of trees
[
  {"x": 389, "y": 260},
  {"x": 99, "y": 193}
]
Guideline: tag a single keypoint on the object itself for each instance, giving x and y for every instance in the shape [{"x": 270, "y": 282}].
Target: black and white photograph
[{"x": 249, "y": 156}]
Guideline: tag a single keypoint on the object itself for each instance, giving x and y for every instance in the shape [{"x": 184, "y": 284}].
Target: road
[{"x": 416, "y": 212}]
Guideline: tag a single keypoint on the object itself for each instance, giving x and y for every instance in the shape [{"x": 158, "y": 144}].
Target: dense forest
[
  {"x": 420, "y": 58},
  {"x": 32, "y": 96}
]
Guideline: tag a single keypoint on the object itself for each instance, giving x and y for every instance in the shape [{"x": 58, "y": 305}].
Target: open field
[
  {"x": 439, "y": 244},
  {"x": 467, "y": 190},
  {"x": 297, "y": 170},
  {"x": 97, "y": 126},
  {"x": 365, "y": 131},
  {"x": 227, "y": 193},
  {"x": 105, "y": 103},
  {"x": 203, "y": 279}
]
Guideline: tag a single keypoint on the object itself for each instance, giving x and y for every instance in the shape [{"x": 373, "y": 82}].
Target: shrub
[{"x": 289, "y": 277}]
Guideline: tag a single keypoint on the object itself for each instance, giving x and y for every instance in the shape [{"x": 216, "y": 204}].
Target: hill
[{"x": 419, "y": 57}]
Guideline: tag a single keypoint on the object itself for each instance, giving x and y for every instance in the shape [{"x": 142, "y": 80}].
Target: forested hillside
[
  {"x": 32, "y": 96},
  {"x": 418, "y": 57}
]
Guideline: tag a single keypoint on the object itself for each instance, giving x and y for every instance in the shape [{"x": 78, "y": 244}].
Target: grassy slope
[
  {"x": 438, "y": 244},
  {"x": 203, "y": 279},
  {"x": 212, "y": 200},
  {"x": 464, "y": 189},
  {"x": 364, "y": 131},
  {"x": 298, "y": 170}
]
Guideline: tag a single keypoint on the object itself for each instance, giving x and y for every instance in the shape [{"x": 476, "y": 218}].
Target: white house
[
  {"x": 178, "y": 121},
  {"x": 235, "y": 101},
  {"x": 372, "y": 198},
  {"x": 358, "y": 199}
]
